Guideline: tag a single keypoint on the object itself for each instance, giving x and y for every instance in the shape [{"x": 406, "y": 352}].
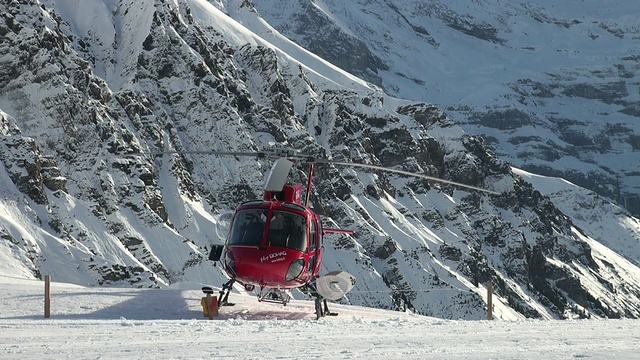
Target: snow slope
[
  {"x": 607, "y": 223},
  {"x": 107, "y": 323}
]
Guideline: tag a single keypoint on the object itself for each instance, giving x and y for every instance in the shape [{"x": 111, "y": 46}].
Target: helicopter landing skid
[
  {"x": 276, "y": 296},
  {"x": 223, "y": 299},
  {"x": 322, "y": 309}
]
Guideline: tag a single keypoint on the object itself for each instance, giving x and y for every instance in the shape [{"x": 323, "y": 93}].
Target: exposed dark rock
[
  {"x": 509, "y": 119},
  {"x": 450, "y": 252},
  {"x": 386, "y": 250},
  {"x": 24, "y": 166},
  {"x": 607, "y": 93},
  {"x": 426, "y": 114},
  {"x": 472, "y": 27}
]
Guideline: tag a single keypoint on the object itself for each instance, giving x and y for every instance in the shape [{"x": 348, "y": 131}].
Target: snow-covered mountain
[
  {"x": 84, "y": 81},
  {"x": 552, "y": 86}
]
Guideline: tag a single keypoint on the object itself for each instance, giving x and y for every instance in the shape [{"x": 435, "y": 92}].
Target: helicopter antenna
[{"x": 310, "y": 177}]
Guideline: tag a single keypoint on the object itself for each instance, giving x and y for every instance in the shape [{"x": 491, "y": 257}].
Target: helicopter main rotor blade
[
  {"x": 259, "y": 154},
  {"x": 275, "y": 153},
  {"x": 284, "y": 153},
  {"x": 403, "y": 172}
]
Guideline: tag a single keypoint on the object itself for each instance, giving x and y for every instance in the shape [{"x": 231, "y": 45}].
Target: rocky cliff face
[{"x": 156, "y": 75}]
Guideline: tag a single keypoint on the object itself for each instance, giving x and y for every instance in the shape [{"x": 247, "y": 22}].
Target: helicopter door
[{"x": 313, "y": 238}]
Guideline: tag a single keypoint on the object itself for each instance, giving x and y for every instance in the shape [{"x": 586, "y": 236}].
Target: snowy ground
[{"x": 109, "y": 323}]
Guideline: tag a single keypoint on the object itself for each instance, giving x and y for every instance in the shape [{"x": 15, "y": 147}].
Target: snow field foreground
[{"x": 110, "y": 323}]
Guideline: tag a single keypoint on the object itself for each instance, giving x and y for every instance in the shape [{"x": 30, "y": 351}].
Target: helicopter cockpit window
[
  {"x": 248, "y": 227},
  {"x": 288, "y": 229}
]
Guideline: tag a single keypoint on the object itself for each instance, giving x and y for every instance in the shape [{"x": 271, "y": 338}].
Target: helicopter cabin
[
  {"x": 273, "y": 242},
  {"x": 285, "y": 225}
]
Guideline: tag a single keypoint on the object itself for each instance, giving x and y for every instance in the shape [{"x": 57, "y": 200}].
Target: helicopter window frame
[
  {"x": 251, "y": 202},
  {"x": 248, "y": 227},
  {"x": 313, "y": 235},
  {"x": 294, "y": 206}
]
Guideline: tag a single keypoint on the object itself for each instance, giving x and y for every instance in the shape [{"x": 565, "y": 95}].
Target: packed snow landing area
[{"x": 110, "y": 323}]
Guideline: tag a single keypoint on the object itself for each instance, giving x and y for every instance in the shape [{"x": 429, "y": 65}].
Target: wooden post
[
  {"x": 47, "y": 296},
  {"x": 489, "y": 300}
]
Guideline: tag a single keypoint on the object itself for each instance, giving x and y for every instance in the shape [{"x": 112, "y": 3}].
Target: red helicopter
[{"x": 276, "y": 242}]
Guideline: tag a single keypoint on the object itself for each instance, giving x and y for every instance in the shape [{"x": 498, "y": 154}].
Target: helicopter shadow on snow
[
  {"x": 227, "y": 313},
  {"x": 150, "y": 304},
  {"x": 246, "y": 305},
  {"x": 116, "y": 304}
]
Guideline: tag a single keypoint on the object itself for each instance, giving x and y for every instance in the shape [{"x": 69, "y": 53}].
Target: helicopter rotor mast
[{"x": 308, "y": 193}]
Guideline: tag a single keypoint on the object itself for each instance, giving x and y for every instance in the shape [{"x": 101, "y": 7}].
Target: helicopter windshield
[
  {"x": 287, "y": 229},
  {"x": 248, "y": 227}
]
